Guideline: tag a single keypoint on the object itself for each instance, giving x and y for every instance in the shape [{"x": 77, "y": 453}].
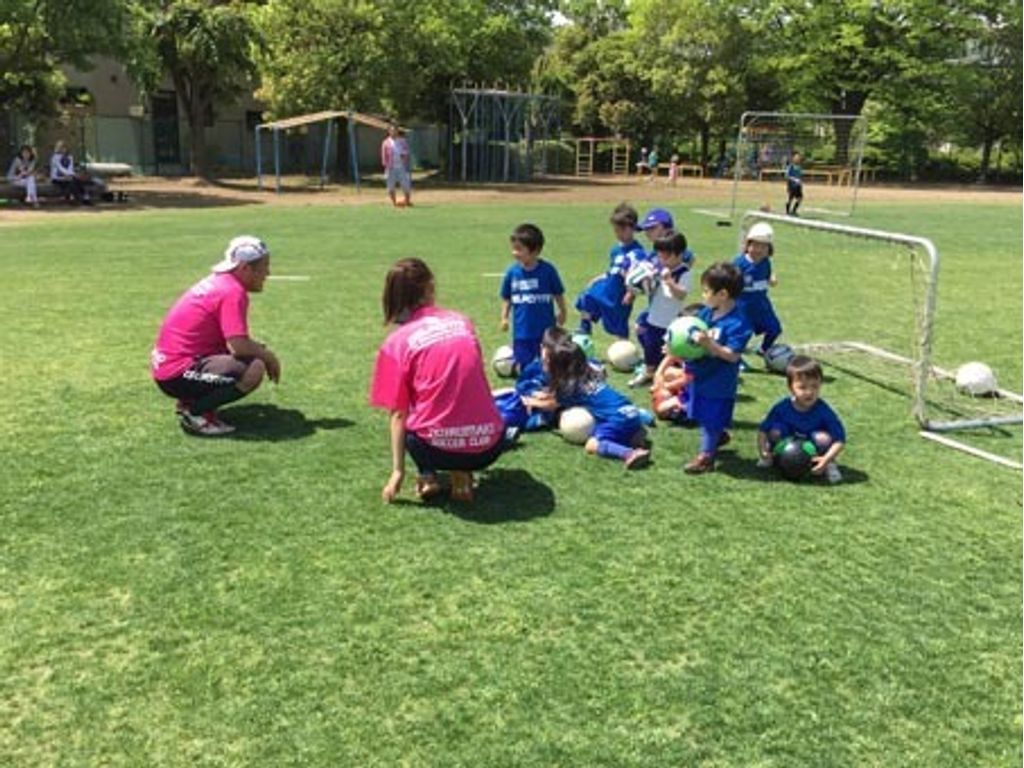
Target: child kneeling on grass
[
  {"x": 619, "y": 432},
  {"x": 804, "y": 414}
]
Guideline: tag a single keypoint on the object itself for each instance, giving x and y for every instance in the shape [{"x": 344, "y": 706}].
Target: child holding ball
[
  {"x": 619, "y": 433},
  {"x": 712, "y": 394},
  {"x": 805, "y": 415}
]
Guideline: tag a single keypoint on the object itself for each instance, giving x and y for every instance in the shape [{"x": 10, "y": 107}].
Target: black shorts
[
  {"x": 429, "y": 459},
  {"x": 795, "y": 189},
  {"x": 204, "y": 376}
]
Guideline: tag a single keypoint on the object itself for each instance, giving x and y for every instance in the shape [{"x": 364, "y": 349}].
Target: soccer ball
[
  {"x": 793, "y": 457},
  {"x": 504, "y": 362},
  {"x": 679, "y": 337},
  {"x": 584, "y": 342},
  {"x": 641, "y": 278},
  {"x": 975, "y": 379},
  {"x": 576, "y": 425},
  {"x": 623, "y": 356},
  {"x": 778, "y": 357}
]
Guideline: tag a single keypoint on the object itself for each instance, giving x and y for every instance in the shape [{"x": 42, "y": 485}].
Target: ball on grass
[
  {"x": 976, "y": 379},
  {"x": 623, "y": 355},
  {"x": 504, "y": 361},
  {"x": 793, "y": 457},
  {"x": 778, "y": 357}
]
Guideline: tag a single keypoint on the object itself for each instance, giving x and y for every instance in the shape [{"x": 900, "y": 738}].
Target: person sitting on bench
[
  {"x": 63, "y": 174},
  {"x": 22, "y": 173}
]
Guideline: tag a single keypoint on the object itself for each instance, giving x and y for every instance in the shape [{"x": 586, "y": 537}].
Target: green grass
[{"x": 177, "y": 602}]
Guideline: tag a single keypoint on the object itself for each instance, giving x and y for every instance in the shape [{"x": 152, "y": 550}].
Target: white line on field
[
  {"x": 292, "y": 278},
  {"x": 493, "y": 274}
]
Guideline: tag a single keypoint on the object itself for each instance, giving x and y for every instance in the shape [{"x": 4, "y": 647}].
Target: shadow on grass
[
  {"x": 267, "y": 422},
  {"x": 746, "y": 469},
  {"x": 503, "y": 496}
]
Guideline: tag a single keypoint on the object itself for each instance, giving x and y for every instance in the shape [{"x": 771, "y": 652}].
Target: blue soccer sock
[
  {"x": 613, "y": 450},
  {"x": 769, "y": 341},
  {"x": 709, "y": 440}
]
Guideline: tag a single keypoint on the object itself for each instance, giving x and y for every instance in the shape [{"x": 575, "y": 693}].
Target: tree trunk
[
  {"x": 705, "y": 140},
  {"x": 986, "y": 158},
  {"x": 197, "y": 128}
]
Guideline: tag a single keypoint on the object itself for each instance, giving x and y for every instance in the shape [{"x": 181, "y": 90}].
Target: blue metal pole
[
  {"x": 353, "y": 153},
  {"x": 259, "y": 160},
  {"x": 327, "y": 149},
  {"x": 277, "y": 160}
]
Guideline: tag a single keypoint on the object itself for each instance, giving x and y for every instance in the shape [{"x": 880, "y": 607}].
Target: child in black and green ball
[{"x": 806, "y": 416}]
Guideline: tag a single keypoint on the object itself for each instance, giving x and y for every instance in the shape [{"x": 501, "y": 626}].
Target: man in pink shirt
[
  {"x": 395, "y": 157},
  {"x": 203, "y": 355},
  {"x": 430, "y": 375}
]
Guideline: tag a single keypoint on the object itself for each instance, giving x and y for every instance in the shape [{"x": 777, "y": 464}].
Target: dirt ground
[{"x": 149, "y": 193}]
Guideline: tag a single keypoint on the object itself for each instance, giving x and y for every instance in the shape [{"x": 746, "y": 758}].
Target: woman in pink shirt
[{"x": 430, "y": 375}]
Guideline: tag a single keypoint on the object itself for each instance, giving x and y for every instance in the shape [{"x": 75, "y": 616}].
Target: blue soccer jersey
[
  {"x": 532, "y": 295},
  {"x": 605, "y": 404},
  {"x": 756, "y": 278},
  {"x": 794, "y": 173},
  {"x": 714, "y": 377},
  {"x": 788, "y": 420},
  {"x": 610, "y": 289}
]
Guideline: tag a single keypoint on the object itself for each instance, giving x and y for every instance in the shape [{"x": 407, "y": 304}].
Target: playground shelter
[
  {"x": 587, "y": 149},
  {"x": 331, "y": 118}
]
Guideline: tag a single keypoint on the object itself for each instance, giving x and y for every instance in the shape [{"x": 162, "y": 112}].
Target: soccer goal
[
  {"x": 864, "y": 302},
  {"x": 830, "y": 149}
]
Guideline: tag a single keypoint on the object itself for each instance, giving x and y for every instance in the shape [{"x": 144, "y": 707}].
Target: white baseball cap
[
  {"x": 243, "y": 249},
  {"x": 761, "y": 232}
]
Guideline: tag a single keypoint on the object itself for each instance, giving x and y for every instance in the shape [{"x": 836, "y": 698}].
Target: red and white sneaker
[{"x": 205, "y": 425}]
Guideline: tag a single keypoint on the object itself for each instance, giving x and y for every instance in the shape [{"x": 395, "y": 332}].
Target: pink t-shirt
[
  {"x": 199, "y": 324},
  {"x": 431, "y": 367}
]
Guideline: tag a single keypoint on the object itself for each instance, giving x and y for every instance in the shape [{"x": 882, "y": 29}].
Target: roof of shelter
[{"x": 316, "y": 117}]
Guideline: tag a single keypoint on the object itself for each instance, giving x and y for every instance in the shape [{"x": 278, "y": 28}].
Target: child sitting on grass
[
  {"x": 619, "y": 432},
  {"x": 805, "y": 415}
]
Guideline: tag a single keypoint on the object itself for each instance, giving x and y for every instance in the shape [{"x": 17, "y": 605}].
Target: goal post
[
  {"x": 831, "y": 147},
  {"x": 892, "y": 280}
]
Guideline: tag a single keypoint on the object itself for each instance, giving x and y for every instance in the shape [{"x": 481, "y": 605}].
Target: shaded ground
[{"x": 147, "y": 193}]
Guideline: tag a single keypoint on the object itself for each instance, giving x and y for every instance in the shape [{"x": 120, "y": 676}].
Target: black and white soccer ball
[{"x": 778, "y": 357}]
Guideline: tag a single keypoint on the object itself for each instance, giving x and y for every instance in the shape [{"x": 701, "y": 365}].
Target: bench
[
  {"x": 838, "y": 174},
  {"x": 684, "y": 168},
  {"x": 96, "y": 185}
]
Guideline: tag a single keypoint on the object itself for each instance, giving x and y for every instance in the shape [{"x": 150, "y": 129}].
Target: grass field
[{"x": 168, "y": 601}]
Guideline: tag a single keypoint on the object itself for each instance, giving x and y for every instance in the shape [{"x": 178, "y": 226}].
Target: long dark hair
[
  {"x": 406, "y": 288},
  {"x": 31, "y": 152},
  {"x": 567, "y": 366}
]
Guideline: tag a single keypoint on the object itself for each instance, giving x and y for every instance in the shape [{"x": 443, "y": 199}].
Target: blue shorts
[
  {"x": 525, "y": 351},
  {"x": 614, "y": 318},
  {"x": 712, "y": 413},
  {"x": 620, "y": 432},
  {"x": 762, "y": 318},
  {"x": 652, "y": 339}
]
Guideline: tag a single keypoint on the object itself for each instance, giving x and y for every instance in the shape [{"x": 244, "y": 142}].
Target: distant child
[
  {"x": 673, "y": 170},
  {"x": 755, "y": 264},
  {"x": 794, "y": 184},
  {"x": 619, "y": 432},
  {"x": 532, "y": 287},
  {"x": 605, "y": 298},
  {"x": 712, "y": 394},
  {"x": 804, "y": 414},
  {"x": 671, "y": 288},
  {"x": 652, "y": 163},
  {"x": 668, "y": 391}
]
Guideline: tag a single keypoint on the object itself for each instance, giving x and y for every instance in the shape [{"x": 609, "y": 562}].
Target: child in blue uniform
[
  {"x": 805, "y": 415},
  {"x": 755, "y": 264},
  {"x": 712, "y": 393},
  {"x": 794, "y": 184},
  {"x": 530, "y": 291},
  {"x": 619, "y": 433},
  {"x": 666, "y": 303},
  {"x": 606, "y": 298}
]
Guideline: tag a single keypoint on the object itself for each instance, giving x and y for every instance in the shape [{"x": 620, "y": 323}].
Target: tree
[
  {"x": 393, "y": 55},
  {"x": 36, "y": 39},
  {"x": 208, "y": 50}
]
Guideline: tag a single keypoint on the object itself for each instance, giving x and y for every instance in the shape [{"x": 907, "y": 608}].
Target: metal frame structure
[
  {"x": 487, "y": 122},
  {"x": 621, "y": 154},
  {"x": 331, "y": 117},
  {"x": 922, "y": 368},
  {"x": 750, "y": 118}
]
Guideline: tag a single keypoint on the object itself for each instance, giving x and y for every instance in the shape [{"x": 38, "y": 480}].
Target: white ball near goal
[
  {"x": 576, "y": 425},
  {"x": 975, "y": 379},
  {"x": 623, "y": 355}
]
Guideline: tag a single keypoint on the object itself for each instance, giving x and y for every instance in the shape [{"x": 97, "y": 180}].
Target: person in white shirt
[
  {"x": 63, "y": 174},
  {"x": 395, "y": 157},
  {"x": 22, "y": 173}
]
